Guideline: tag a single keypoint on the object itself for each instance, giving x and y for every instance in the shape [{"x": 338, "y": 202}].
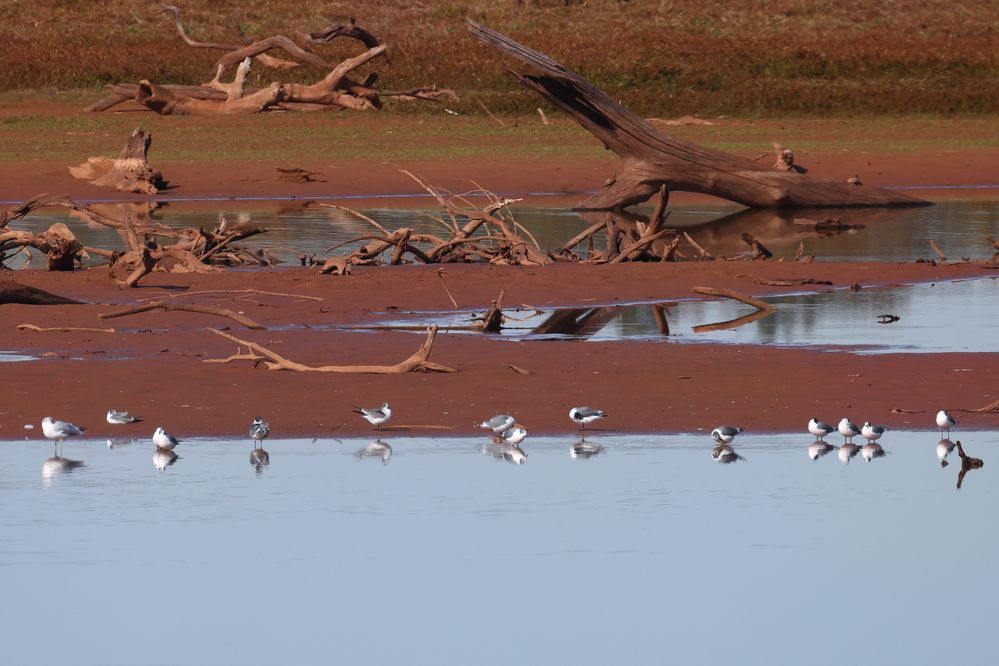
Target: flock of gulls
[{"x": 507, "y": 436}]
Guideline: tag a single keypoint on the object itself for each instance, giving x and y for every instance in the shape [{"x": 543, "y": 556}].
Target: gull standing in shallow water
[
  {"x": 725, "y": 434},
  {"x": 121, "y": 418},
  {"x": 872, "y": 433},
  {"x": 514, "y": 436},
  {"x": 848, "y": 429},
  {"x": 376, "y": 416},
  {"x": 259, "y": 430},
  {"x": 819, "y": 428},
  {"x": 58, "y": 431},
  {"x": 945, "y": 422},
  {"x": 584, "y": 416},
  {"x": 499, "y": 423},
  {"x": 164, "y": 440}
]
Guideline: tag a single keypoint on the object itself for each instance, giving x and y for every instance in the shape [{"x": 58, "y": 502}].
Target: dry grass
[{"x": 713, "y": 57}]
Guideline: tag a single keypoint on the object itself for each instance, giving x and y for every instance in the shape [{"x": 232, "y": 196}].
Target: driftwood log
[
  {"x": 652, "y": 159},
  {"x": 417, "y": 362},
  {"x": 129, "y": 172}
]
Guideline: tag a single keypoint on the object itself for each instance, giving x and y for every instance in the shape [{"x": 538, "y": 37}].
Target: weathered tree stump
[
  {"x": 130, "y": 172},
  {"x": 652, "y": 158}
]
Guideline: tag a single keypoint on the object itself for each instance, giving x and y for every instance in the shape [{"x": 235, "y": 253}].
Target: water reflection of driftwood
[
  {"x": 763, "y": 309},
  {"x": 774, "y": 228},
  {"x": 575, "y": 322},
  {"x": 967, "y": 463}
]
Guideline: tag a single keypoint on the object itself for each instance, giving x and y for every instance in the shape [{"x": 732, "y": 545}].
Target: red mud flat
[
  {"x": 965, "y": 175},
  {"x": 153, "y": 366}
]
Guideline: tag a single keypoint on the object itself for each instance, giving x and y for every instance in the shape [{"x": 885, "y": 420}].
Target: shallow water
[
  {"x": 959, "y": 316},
  {"x": 449, "y": 556},
  {"x": 13, "y": 357},
  {"x": 959, "y": 228}
]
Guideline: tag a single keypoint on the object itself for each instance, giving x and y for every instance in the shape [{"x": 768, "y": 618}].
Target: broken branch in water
[
  {"x": 933, "y": 244},
  {"x": 417, "y": 362}
]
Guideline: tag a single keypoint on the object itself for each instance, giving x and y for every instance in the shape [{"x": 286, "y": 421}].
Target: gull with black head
[{"x": 584, "y": 416}]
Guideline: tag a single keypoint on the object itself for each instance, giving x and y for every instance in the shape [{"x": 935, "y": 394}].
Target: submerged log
[
  {"x": 652, "y": 158},
  {"x": 14, "y": 292},
  {"x": 130, "y": 172}
]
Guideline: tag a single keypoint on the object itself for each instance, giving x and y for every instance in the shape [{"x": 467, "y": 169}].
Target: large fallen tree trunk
[{"x": 652, "y": 158}]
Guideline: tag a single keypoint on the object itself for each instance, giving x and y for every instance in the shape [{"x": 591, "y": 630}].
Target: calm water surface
[
  {"x": 648, "y": 552},
  {"x": 943, "y": 317},
  {"x": 959, "y": 227}
]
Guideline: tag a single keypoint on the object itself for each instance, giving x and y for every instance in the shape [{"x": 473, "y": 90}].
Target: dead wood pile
[
  {"x": 335, "y": 90},
  {"x": 193, "y": 250}
]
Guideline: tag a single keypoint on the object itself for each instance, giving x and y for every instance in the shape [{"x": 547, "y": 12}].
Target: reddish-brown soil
[{"x": 154, "y": 365}]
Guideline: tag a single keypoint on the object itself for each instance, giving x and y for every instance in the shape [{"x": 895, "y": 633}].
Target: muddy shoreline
[{"x": 154, "y": 364}]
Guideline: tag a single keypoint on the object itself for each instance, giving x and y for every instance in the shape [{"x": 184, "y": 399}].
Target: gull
[
  {"x": 819, "y": 449},
  {"x": 725, "y": 434},
  {"x": 375, "y": 416},
  {"x": 945, "y": 422},
  {"x": 872, "y": 432},
  {"x": 584, "y": 416},
  {"x": 819, "y": 428},
  {"x": 848, "y": 451},
  {"x": 870, "y": 451},
  {"x": 724, "y": 453},
  {"x": 259, "y": 430},
  {"x": 499, "y": 423},
  {"x": 121, "y": 418},
  {"x": 848, "y": 429},
  {"x": 164, "y": 440},
  {"x": 60, "y": 430},
  {"x": 514, "y": 436}
]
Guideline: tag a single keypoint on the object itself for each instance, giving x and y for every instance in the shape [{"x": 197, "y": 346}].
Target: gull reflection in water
[
  {"x": 819, "y": 449},
  {"x": 376, "y": 449},
  {"x": 510, "y": 453},
  {"x": 847, "y": 452},
  {"x": 163, "y": 458},
  {"x": 117, "y": 443},
  {"x": 724, "y": 453},
  {"x": 967, "y": 463},
  {"x": 872, "y": 451},
  {"x": 944, "y": 448},
  {"x": 259, "y": 459},
  {"x": 584, "y": 450},
  {"x": 57, "y": 465}
]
